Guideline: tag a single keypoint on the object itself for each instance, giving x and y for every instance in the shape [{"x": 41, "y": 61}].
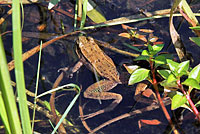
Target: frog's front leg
[{"x": 99, "y": 91}]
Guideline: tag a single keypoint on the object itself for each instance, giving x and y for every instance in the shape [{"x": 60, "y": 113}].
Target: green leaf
[
  {"x": 197, "y": 104},
  {"x": 171, "y": 78},
  {"x": 138, "y": 75},
  {"x": 178, "y": 100},
  {"x": 150, "y": 49},
  {"x": 195, "y": 28},
  {"x": 172, "y": 64},
  {"x": 192, "y": 83},
  {"x": 195, "y": 73},
  {"x": 195, "y": 40},
  {"x": 167, "y": 85},
  {"x": 183, "y": 67},
  {"x": 131, "y": 68},
  {"x": 145, "y": 52},
  {"x": 164, "y": 73},
  {"x": 160, "y": 60},
  {"x": 142, "y": 57},
  {"x": 157, "y": 48}
]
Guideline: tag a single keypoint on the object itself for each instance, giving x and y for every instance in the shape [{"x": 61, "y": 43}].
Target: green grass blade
[
  {"x": 189, "y": 12},
  {"x": 69, "y": 107},
  {"x": 37, "y": 82},
  {"x": 7, "y": 94},
  {"x": 76, "y": 14},
  {"x": 84, "y": 12},
  {"x": 4, "y": 116},
  {"x": 19, "y": 70},
  {"x": 94, "y": 12}
]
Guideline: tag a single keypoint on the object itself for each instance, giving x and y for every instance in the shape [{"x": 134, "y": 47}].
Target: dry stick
[
  {"x": 34, "y": 50},
  {"x": 160, "y": 99},
  {"x": 2, "y": 19},
  {"x": 31, "y": 105},
  {"x": 82, "y": 115},
  {"x": 107, "y": 45},
  {"x": 66, "y": 13},
  {"x": 61, "y": 128},
  {"x": 138, "y": 111},
  {"x": 56, "y": 119}
]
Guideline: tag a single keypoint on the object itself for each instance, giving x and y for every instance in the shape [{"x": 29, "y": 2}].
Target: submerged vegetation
[{"x": 157, "y": 76}]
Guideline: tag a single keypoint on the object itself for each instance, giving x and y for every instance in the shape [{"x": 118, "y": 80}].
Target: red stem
[
  {"x": 194, "y": 109},
  {"x": 155, "y": 85}
]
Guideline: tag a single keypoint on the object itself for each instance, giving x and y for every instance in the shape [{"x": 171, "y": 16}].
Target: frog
[{"x": 90, "y": 51}]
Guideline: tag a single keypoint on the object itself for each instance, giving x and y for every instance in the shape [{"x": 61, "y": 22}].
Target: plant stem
[
  {"x": 155, "y": 85},
  {"x": 194, "y": 109}
]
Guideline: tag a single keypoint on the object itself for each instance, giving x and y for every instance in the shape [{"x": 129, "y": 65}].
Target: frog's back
[{"x": 99, "y": 60}]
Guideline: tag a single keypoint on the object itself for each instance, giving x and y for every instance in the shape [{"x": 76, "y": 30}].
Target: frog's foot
[
  {"x": 72, "y": 69},
  {"x": 105, "y": 96}
]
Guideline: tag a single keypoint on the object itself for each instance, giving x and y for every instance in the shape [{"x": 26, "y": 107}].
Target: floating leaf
[
  {"x": 138, "y": 75},
  {"x": 125, "y": 35},
  {"x": 195, "y": 73},
  {"x": 153, "y": 39},
  {"x": 192, "y": 83},
  {"x": 151, "y": 122},
  {"x": 147, "y": 93},
  {"x": 139, "y": 36},
  {"x": 142, "y": 122},
  {"x": 126, "y": 27},
  {"x": 146, "y": 30}
]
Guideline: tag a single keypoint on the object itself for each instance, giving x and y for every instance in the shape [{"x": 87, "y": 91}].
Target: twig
[
  {"x": 34, "y": 50},
  {"x": 82, "y": 115},
  {"x": 135, "y": 112},
  {"x": 56, "y": 119}
]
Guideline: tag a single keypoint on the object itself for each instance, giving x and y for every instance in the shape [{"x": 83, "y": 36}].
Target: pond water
[{"x": 62, "y": 54}]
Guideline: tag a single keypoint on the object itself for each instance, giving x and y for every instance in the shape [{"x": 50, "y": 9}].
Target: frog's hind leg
[
  {"x": 94, "y": 94},
  {"x": 117, "y": 99}
]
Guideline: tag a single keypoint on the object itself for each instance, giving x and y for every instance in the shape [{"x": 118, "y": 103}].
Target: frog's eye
[{"x": 90, "y": 39}]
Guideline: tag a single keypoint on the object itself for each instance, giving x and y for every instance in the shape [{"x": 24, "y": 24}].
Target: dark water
[{"x": 62, "y": 53}]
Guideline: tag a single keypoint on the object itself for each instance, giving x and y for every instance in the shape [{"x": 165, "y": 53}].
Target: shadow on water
[{"x": 39, "y": 22}]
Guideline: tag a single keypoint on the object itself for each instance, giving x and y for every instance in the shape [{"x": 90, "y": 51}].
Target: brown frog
[{"x": 105, "y": 68}]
